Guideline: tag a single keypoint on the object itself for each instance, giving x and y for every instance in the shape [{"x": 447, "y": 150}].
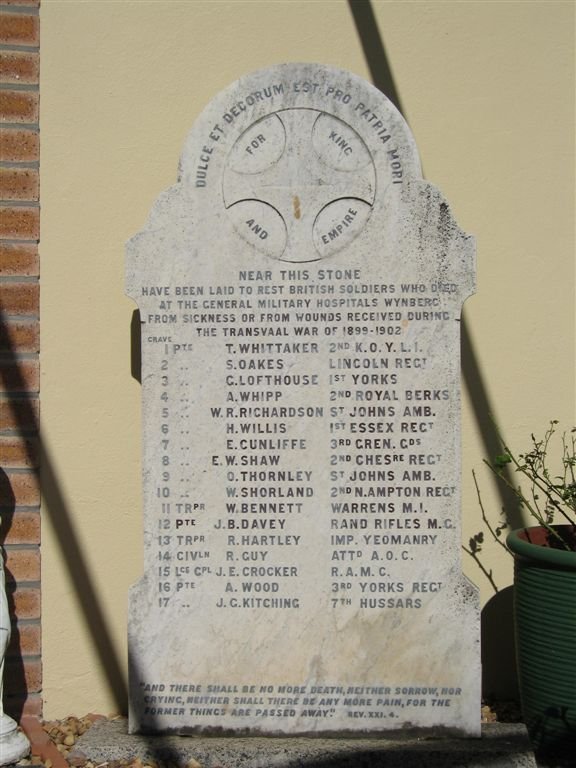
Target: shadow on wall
[
  {"x": 55, "y": 506},
  {"x": 498, "y": 654},
  {"x": 499, "y": 677}
]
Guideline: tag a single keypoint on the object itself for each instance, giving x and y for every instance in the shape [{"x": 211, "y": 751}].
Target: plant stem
[
  {"x": 485, "y": 518},
  {"x": 486, "y": 573}
]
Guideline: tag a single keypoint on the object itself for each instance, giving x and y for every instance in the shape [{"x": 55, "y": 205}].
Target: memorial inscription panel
[{"x": 300, "y": 291}]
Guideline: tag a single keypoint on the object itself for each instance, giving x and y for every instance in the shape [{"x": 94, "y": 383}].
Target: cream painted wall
[{"x": 488, "y": 89}]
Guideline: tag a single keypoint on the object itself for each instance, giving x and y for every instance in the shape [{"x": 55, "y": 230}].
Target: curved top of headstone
[
  {"x": 294, "y": 163},
  {"x": 360, "y": 106},
  {"x": 292, "y": 148}
]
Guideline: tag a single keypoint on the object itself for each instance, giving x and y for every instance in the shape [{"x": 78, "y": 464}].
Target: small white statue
[{"x": 13, "y": 743}]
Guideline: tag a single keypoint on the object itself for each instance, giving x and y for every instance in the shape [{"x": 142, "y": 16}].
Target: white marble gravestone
[{"x": 300, "y": 291}]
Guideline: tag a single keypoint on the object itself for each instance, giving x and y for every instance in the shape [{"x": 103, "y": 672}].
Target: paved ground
[
  {"x": 503, "y": 745},
  {"x": 98, "y": 742}
]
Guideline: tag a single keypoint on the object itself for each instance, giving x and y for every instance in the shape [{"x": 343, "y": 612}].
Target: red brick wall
[{"x": 19, "y": 348}]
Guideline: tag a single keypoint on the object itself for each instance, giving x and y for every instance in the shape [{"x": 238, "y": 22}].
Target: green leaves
[
  {"x": 502, "y": 460},
  {"x": 550, "y": 497}
]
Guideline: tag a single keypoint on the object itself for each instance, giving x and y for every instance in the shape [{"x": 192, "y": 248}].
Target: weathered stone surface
[
  {"x": 503, "y": 745},
  {"x": 300, "y": 292}
]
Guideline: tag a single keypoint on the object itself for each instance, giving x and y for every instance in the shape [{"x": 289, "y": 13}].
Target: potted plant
[{"x": 545, "y": 584}]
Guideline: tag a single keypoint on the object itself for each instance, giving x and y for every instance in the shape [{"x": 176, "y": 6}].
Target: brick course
[
  {"x": 29, "y": 705},
  {"x": 23, "y": 527},
  {"x": 26, "y": 638},
  {"x": 22, "y": 565},
  {"x": 32, "y": 674},
  {"x": 19, "y": 347},
  {"x": 19, "y": 417},
  {"x": 19, "y": 298},
  {"x": 19, "y": 145},
  {"x": 26, "y": 602},
  {"x": 25, "y": 491},
  {"x": 19, "y": 452},
  {"x": 19, "y": 29},
  {"x": 23, "y": 375},
  {"x": 19, "y": 222},
  {"x": 23, "y": 335},
  {"x": 19, "y": 67},
  {"x": 18, "y": 106},
  {"x": 35, "y": 3},
  {"x": 19, "y": 184},
  {"x": 19, "y": 260}
]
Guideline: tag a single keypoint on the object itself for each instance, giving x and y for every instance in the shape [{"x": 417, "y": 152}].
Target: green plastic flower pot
[{"x": 545, "y": 625}]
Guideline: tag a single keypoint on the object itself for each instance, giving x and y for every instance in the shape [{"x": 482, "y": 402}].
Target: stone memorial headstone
[{"x": 300, "y": 291}]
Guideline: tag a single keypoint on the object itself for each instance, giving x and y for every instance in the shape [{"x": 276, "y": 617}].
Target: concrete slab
[{"x": 502, "y": 745}]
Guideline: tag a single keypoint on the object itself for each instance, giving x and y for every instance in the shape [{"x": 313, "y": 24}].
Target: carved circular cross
[{"x": 299, "y": 185}]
